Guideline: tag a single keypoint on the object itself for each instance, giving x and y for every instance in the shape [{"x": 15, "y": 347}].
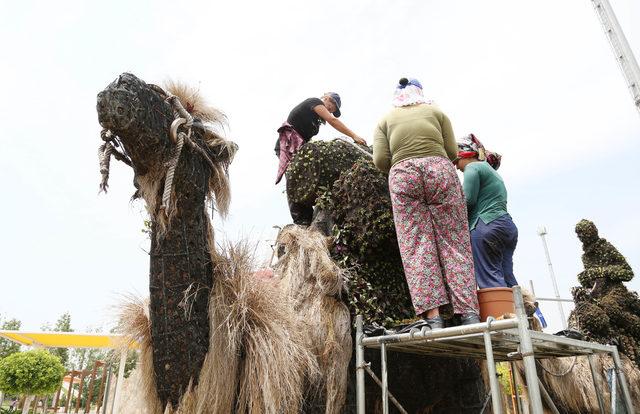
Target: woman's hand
[
  {"x": 322, "y": 111},
  {"x": 359, "y": 140}
]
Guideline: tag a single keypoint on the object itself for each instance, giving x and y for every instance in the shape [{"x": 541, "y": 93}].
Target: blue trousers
[{"x": 493, "y": 245}]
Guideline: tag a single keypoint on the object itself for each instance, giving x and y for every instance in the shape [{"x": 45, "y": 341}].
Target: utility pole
[
  {"x": 621, "y": 50},
  {"x": 542, "y": 232}
]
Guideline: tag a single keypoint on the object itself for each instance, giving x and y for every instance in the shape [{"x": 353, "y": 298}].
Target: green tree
[
  {"x": 8, "y": 347},
  {"x": 30, "y": 373},
  {"x": 84, "y": 358},
  {"x": 63, "y": 324}
]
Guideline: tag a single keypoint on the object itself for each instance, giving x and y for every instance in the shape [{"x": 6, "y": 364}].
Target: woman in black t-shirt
[
  {"x": 302, "y": 124},
  {"x": 308, "y": 115}
]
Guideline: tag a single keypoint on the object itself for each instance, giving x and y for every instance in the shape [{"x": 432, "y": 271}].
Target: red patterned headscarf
[{"x": 471, "y": 147}]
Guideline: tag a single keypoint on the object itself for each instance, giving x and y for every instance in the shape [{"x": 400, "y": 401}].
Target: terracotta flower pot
[{"x": 495, "y": 302}]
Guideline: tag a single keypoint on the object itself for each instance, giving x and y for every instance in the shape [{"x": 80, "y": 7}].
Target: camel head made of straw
[{"x": 175, "y": 173}]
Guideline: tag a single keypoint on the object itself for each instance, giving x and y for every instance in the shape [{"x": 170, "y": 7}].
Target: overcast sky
[{"x": 535, "y": 81}]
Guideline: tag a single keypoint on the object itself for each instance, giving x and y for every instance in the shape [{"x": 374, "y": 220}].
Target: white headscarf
[{"x": 409, "y": 94}]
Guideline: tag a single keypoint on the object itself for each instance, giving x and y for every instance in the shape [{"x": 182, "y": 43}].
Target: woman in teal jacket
[{"x": 494, "y": 236}]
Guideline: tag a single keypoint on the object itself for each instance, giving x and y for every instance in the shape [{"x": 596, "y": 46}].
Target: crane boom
[{"x": 623, "y": 53}]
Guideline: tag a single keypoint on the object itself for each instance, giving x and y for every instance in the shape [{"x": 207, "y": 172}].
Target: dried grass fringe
[
  {"x": 256, "y": 339},
  {"x": 194, "y": 103},
  {"x": 258, "y": 360},
  {"x": 139, "y": 394},
  {"x": 309, "y": 276}
]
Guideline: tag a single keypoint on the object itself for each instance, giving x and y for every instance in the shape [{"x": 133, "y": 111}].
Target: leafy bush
[{"x": 34, "y": 372}]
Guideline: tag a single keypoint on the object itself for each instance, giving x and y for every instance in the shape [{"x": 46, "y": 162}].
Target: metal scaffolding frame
[{"x": 494, "y": 341}]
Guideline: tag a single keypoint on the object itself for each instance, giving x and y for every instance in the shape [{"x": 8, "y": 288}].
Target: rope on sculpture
[
  {"x": 104, "y": 156},
  {"x": 105, "y": 151},
  {"x": 182, "y": 117},
  {"x": 173, "y": 163},
  {"x": 185, "y": 120},
  {"x": 562, "y": 374}
]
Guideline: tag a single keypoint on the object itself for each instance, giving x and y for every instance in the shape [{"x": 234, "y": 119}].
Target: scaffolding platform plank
[{"x": 506, "y": 346}]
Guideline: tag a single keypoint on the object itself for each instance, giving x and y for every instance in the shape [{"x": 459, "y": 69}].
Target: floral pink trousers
[{"x": 430, "y": 215}]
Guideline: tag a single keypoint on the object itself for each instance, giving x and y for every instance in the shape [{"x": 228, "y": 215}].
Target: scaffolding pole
[
  {"x": 622, "y": 380},
  {"x": 542, "y": 232},
  {"x": 359, "y": 366},
  {"x": 385, "y": 380},
  {"x": 526, "y": 351},
  {"x": 491, "y": 368}
]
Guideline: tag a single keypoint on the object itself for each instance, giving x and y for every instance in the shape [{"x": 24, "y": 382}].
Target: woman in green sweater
[
  {"x": 493, "y": 234},
  {"x": 415, "y": 144}
]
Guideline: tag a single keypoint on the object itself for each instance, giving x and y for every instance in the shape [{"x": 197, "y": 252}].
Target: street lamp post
[{"x": 542, "y": 232}]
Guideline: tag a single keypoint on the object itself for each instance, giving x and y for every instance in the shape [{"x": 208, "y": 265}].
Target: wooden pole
[
  {"x": 101, "y": 391},
  {"x": 56, "y": 403},
  {"x": 83, "y": 373},
  {"x": 70, "y": 392},
  {"x": 34, "y": 407},
  {"x": 27, "y": 403},
  {"x": 87, "y": 407}
]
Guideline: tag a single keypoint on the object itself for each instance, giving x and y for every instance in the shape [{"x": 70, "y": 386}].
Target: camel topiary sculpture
[
  {"x": 215, "y": 339},
  {"x": 606, "y": 311}
]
